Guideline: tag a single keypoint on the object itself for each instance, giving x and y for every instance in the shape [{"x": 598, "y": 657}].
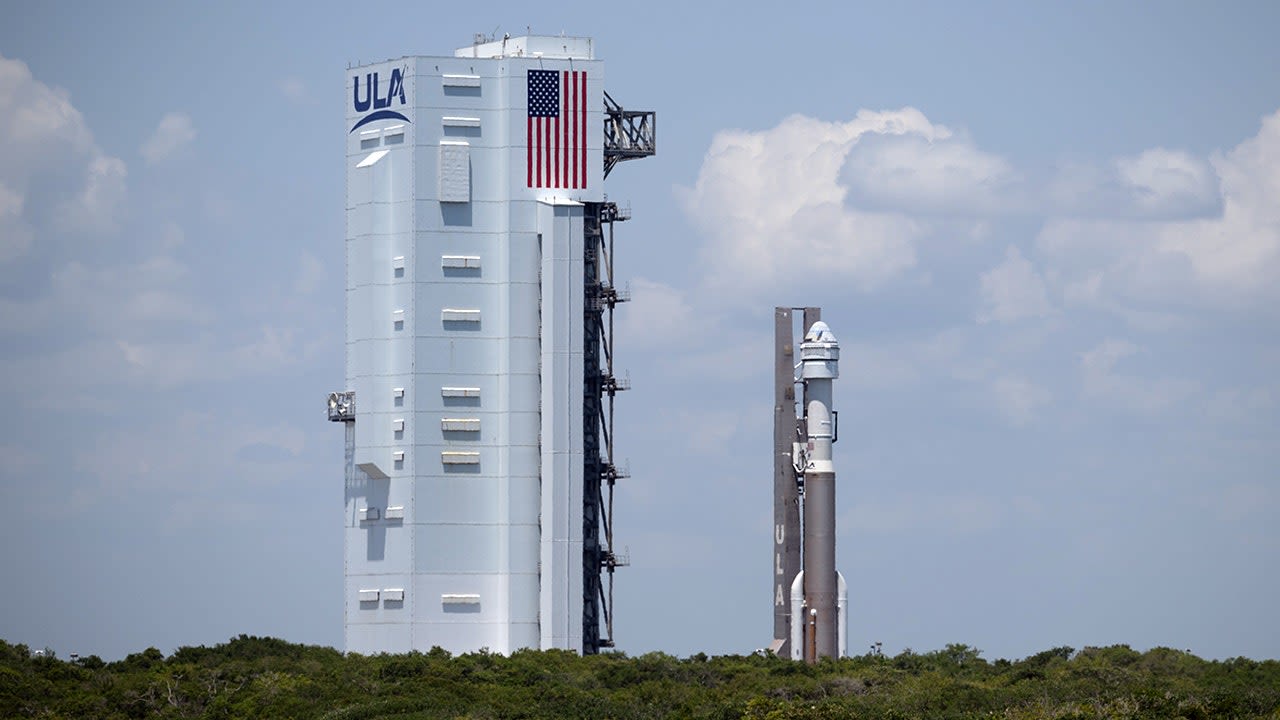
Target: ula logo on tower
[{"x": 373, "y": 98}]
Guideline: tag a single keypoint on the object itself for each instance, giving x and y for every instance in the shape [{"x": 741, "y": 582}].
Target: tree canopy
[{"x": 255, "y": 677}]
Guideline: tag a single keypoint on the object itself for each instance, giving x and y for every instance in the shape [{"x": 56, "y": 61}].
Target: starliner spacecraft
[{"x": 810, "y": 596}]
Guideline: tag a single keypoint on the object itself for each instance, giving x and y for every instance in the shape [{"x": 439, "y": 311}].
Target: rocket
[{"x": 818, "y": 614}]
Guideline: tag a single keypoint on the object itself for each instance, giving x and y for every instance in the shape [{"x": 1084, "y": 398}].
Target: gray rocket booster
[
  {"x": 819, "y": 366},
  {"x": 819, "y": 595}
]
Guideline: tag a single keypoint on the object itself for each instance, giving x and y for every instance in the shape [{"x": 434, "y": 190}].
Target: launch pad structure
[
  {"x": 480, "y": 366},
  {"x": 810, "y": 597},
  {"x": 601, "y": 386}
]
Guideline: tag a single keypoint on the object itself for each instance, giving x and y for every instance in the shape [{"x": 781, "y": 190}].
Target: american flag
[{"x": 557, "y": 131}]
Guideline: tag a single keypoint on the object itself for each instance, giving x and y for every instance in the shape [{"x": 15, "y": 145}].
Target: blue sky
[{"x": 1047, "y": 236}]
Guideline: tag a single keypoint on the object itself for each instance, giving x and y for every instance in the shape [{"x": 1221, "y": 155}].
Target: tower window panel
[
  {"x": 460, "y": 261},
  {"x": 459, "y": 81},
  {"x": 459, "y": 315},
  {"x": 455, "y": 172},
  {"x": 456, "y": 457},
  {"x": 454, "y": 121}
]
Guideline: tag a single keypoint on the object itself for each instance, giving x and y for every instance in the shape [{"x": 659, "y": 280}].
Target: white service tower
[{"x": 473, "y": 402}]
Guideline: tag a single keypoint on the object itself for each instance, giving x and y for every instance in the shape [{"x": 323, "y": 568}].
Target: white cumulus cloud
[
  {"x": 1018, "y": 399},
  {"x": 1167, "y": 182},
  {"x": 1101, "y": 359},
  {"x": 935, "y": 173},
  {"x": 52, "y": 172},
  {"x": 773, "y": 209},
  {"x": 97, "y": 207},
  {"x": 1013, "y": 290},
  {"x": 657, "y": 316},
  {"x": 1132, "y": 391},
  {"x": 1240, "y": 249},
  {"x": 1231, "y": 256},
  {"x": 34, "y": 117},
  {"x": 15, "y": 236},
  {"x": 1157, "y": 184},
  {"x": 174, "y": 131}
]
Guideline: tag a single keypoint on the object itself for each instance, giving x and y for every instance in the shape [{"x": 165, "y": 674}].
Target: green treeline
[{"x": 251, "y": 677}]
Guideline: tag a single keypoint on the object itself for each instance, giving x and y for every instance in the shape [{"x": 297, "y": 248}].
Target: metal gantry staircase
[
  {"x": 600, "y": 387},
  {"x": 628, "y": 135}
]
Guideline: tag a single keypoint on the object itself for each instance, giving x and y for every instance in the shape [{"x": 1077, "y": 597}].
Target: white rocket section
[
  {"x": 843, "y": 612},
  {"x": 798, "y": 630},
  {"x": 797, "y": 617},
  {"x": 819, "y": 365},
  {"x": 463, "y": 516}
]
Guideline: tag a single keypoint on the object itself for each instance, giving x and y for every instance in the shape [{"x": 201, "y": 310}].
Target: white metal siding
[{"x": 494, "y": 519}]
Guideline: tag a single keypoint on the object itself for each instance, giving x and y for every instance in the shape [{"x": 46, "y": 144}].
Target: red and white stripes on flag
[{"x": 557, "y": 129}]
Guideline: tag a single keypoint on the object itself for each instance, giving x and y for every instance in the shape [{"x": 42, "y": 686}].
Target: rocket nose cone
[{"x": 819, "y": 332}]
